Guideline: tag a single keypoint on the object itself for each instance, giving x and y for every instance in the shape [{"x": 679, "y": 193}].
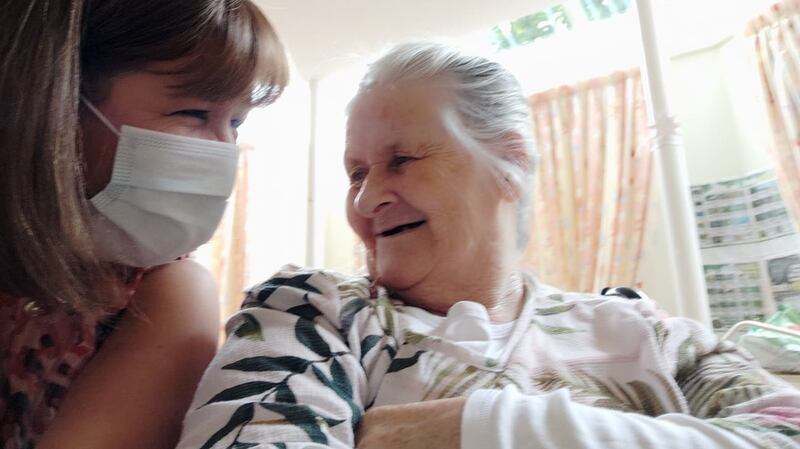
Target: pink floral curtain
[
  {"x": 775, "y": 42},
  {"x": 592, "y": 183}
]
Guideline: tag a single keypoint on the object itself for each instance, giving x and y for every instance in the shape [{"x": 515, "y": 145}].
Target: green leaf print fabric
[{"x": 311, "y": 351}]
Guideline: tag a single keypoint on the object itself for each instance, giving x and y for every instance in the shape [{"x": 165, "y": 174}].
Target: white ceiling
[{"x": 323, "y": 35}]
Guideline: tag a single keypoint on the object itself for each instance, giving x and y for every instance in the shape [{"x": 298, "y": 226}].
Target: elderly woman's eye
[
  {"x": 399, "y": 161},
  {"x": 357, "y": 175}
]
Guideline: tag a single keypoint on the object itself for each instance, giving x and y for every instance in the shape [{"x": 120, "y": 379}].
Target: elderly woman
[{"x": 449, "y": 343}]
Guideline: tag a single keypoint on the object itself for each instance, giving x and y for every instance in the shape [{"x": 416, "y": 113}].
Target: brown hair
[{"x": 49, "y": 51}]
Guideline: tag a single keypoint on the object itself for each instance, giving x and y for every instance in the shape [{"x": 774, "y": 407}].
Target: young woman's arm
[{"x": 135, "y": 391}]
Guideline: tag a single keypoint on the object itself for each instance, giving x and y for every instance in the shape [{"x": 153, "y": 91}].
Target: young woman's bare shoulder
[
  {"x": 140, "y": 383},
  {"x": 182, "y": 287}
]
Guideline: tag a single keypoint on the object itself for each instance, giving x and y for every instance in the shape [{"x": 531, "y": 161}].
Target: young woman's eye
[
  {"x": 194, "y": 113},
  {"x": 400, "y": 161},
  {"x": 237, "y": 122}
]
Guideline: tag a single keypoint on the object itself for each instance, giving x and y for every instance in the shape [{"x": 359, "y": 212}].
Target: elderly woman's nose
[{"x": 373, "y": 195}]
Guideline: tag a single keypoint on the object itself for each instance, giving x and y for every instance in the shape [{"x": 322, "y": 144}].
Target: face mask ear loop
[{"x": 99, "y": 115}]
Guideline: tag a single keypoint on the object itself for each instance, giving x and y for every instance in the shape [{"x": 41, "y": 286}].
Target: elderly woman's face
[{"x": 426, "y": 207}]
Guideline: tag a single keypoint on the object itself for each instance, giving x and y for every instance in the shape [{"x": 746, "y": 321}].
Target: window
[
  {"x": 603, "y": 9},
  {"x": 524, "y": 30},
  {"x": 557, "y": 19}
]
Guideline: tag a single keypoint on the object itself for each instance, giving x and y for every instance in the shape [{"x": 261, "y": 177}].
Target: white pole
[
  {"x": 311, "y": 223},
  {"x": 681, "y": 232}
]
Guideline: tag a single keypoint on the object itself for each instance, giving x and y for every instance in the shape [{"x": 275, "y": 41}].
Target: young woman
[{"x": 117, "y": 155}]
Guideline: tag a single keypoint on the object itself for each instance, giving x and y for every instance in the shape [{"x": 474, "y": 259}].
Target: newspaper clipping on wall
[{"x": 749, "y": 246}]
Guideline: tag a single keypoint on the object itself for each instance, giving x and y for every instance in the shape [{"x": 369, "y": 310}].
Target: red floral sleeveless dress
[{"x": 41, "y": 352}]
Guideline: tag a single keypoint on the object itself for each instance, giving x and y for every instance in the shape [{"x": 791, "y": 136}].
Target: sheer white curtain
[{"x": 266, "y": 221}]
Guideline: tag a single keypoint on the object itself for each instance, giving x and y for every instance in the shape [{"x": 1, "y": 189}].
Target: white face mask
[{"x": 166, "y": 196}]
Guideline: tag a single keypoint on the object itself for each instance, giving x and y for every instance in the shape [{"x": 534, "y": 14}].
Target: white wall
[
  {"x": 723, "y": 122},
  {"x": 277, "y": 219},
  {"x": 655, "y": 273},
  {"x": 334, "y": 242},
  {"x": 748, "y": 103},
  {"x": 705, "y": 113}
]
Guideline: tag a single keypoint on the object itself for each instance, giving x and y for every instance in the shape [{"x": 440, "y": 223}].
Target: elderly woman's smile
[
  {"x": 398, "y": 220},
  {"x": 390, "y": 231}
]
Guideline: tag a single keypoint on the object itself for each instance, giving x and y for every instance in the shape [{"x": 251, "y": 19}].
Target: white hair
[{"x": 487, "y": 99}]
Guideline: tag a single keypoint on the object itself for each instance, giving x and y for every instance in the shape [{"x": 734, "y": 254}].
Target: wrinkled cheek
[
  {"x": 361, "y": 226},
  {"x": 371, "y": 264},
  {"x": 353, "y": 218}
]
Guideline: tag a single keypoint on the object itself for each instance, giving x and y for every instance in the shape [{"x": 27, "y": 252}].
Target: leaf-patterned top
[{"x": 311, "y": 350}]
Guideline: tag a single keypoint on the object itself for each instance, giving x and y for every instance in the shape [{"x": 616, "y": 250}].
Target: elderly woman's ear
[{"x": 516, "y": 165}]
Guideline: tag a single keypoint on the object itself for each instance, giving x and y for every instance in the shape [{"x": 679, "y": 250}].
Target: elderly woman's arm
[
  {"x": 512, "y": 420},
  {"x": 291, "y": 373},
  {"x": 732, "y": 404}
]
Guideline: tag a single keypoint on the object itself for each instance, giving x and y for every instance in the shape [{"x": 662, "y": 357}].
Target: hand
[{"x": 420, "y": 425}]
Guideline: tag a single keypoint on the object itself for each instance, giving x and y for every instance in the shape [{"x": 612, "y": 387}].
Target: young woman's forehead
[{"x": 169, "y": 79}]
